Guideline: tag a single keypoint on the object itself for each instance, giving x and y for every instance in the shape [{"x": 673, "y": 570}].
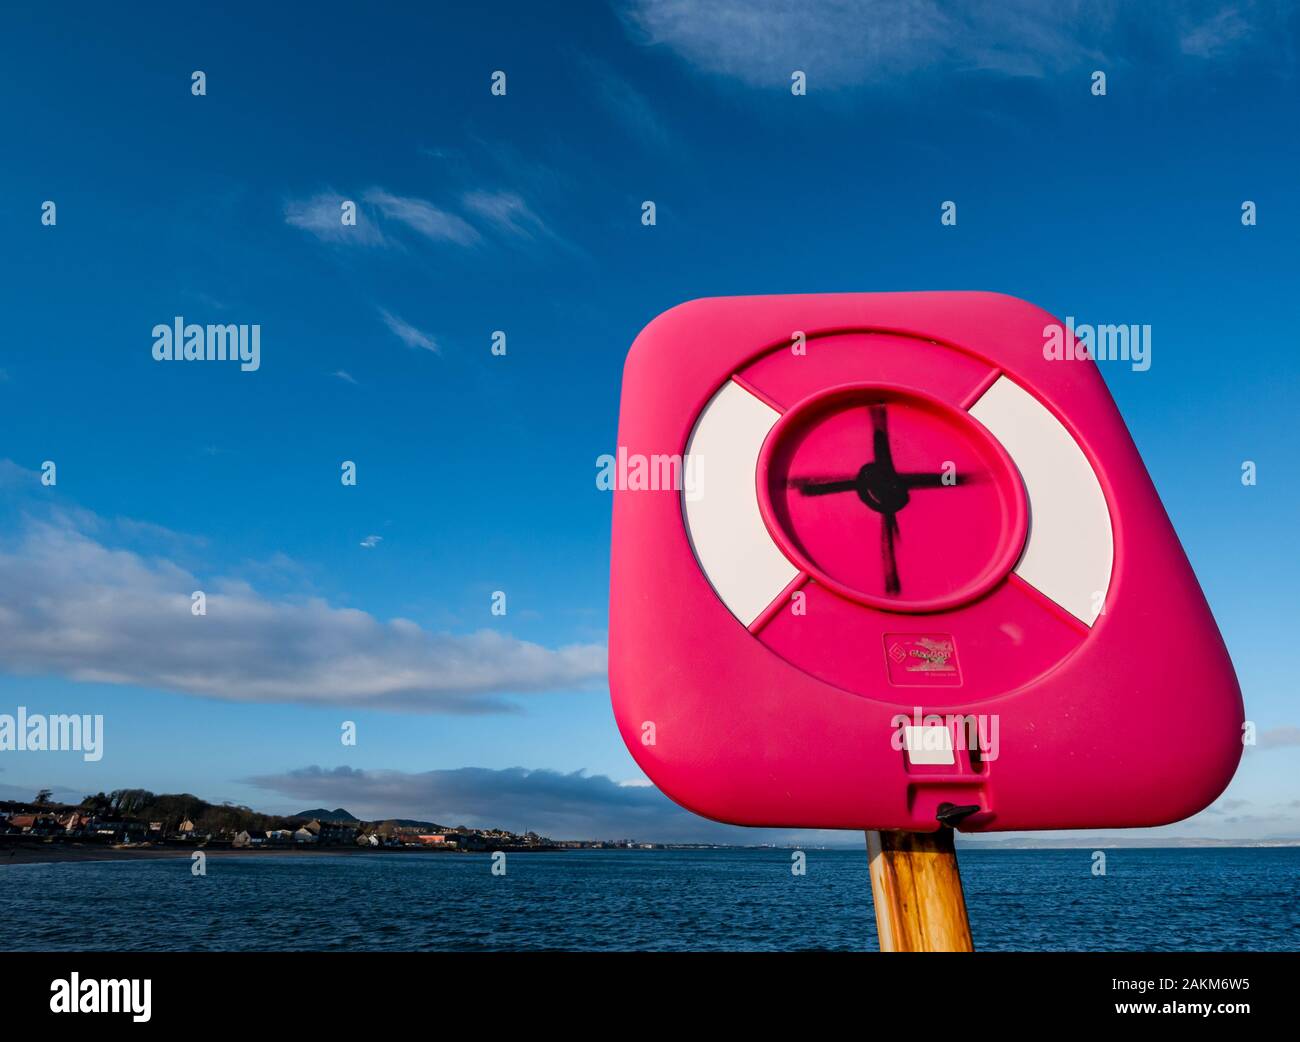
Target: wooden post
[{"x": 917, "y": 892}]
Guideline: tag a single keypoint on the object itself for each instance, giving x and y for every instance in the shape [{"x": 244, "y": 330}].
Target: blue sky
[{"x": 522, "y": 213}]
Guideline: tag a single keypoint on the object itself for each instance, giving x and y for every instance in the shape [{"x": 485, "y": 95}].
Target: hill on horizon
[
  {"x": 338, "y": 814},
  {"x": 321, "y": 814}
]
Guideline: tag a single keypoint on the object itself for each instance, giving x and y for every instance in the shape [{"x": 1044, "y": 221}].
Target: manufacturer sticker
[{"x": 922, "y": 659}]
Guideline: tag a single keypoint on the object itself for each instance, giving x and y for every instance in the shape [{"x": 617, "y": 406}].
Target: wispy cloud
[
  {"x": 407, "y": 333},
  {"x": 507, "y": 211},
  {"x": 77, "y": 607},
  {"x": 1217, "y": 35},
  {"x": 841, "y": 43},
  {"x": 630, "y": 108},
  {"x": 422, "y": 216},
  {"x": 382, "y": 217},
  {"x": 1278, "y": 738},
  {"x": 322, "y": 216},
  {"x": 372, "y": 541},
  {"x": 345, "y": 376}
]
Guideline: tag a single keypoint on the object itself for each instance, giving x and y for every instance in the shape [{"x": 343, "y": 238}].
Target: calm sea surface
[{"x": 1215, "y": 899}]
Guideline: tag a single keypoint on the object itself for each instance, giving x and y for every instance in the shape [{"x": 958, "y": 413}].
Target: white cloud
[
  {"x": 507, "y": 211},
  {"x": 407, "y": 333},
  {"x": 321, "y": 215},
  {"x": 842, "y": 43},
  {"x": 628, "y": 106},
  {"x": 345, "y": 376},
  {"x": 382, "y": 211},
  {"x": 1278, "y": 738},
  {"x": 1216, "y": 35},
  {"x": 371, "y": 541},
  {"x": 75, "y": 607},
  {"x": 423, "y": 217}
]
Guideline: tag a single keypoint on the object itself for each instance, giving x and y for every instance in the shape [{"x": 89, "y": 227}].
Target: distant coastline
[
  {"x": 137, "y": 818},
  {"x": 16, "y": 850},
  {"x": 136, "y": 823},
  {"x": 23, "y": 851},
  {"x": 45, "y": 853}
]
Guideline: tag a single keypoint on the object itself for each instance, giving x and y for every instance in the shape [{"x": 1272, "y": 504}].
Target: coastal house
[
  {"x": 113, "y": 830},
  {"x": 336, "y": 832},
  {"x": 305, "y": 835},
  {"x": 188, "y": 832},
  {"x": 279, "y": 835},
  {"x": 75, "y": 823},
  {"x": 36, "y": 824}
]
